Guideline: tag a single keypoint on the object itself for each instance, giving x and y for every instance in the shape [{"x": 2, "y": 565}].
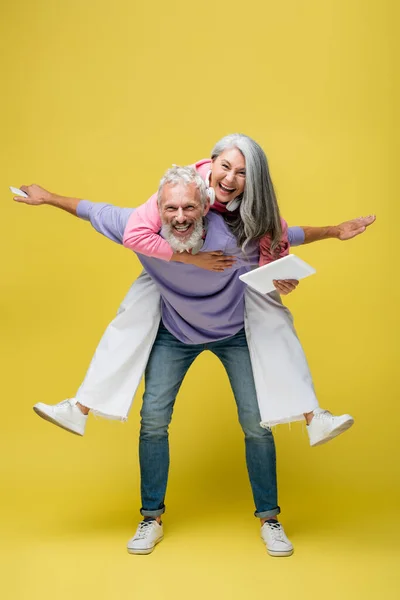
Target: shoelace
[
  {"x": 276, "y": 531},
  {"x": 66, "y": 402},
  {"x": 325, "y": 415},
  {"x": 143, "y": 529}
]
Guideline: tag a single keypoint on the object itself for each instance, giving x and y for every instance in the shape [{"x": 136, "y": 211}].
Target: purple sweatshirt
[{"x": 197, "y": 306}]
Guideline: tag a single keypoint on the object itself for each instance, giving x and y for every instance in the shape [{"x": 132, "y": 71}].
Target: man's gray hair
[
  {"x": 186, "y": 175},
  {"x": 258, "y": 214}
]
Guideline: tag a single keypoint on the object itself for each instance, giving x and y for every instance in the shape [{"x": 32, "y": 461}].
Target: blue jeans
[{"x": 168, "y": 364}]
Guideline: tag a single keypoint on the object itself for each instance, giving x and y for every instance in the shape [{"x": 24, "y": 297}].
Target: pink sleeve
[
  {"x": 141, "y": 232},
  {"x": 266, "y": 256}
]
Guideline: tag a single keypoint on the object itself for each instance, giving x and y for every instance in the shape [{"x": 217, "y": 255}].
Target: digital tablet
[{"x": 288, "y": 267}]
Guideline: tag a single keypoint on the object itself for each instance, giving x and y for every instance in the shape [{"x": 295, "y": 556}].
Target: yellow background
[{"x": 98, "y": 99}]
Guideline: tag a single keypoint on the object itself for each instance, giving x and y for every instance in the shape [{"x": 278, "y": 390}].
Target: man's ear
[{"x": 206, "y": 207}]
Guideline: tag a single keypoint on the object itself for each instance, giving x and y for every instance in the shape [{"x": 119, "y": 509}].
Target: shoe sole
[
  {"x": 285, "y": 553},
  {"x": 145, "y": 550},
  {"x": 341, "y": 429},
  {"x": 47, "y": 417}
]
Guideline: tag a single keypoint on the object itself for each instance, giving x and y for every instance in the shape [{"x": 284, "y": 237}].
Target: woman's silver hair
[
  {"x": 186, "y": 175},
  {"x": 258, "y": 214}
]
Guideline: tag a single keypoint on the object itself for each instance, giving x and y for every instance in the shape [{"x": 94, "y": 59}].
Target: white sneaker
[
  {"x": 65, "y": 414},
  {"x": 275, "y": 539},
  {"x": 325, "y": 426},
  {"x": 147, "y": 535}
]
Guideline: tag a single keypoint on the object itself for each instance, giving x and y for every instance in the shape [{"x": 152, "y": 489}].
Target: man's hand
[
  {"x": 350, "y": 229},
  {"x": 210, "y": 261},
  {"x": 36, "y": 195},
  {"x": 285, "y": 286}
]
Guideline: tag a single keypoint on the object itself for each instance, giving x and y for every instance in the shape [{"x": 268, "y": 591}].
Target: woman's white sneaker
[
  {"x": 65, "y": 414},
  {"x": 275, "y": 539},
  {"x": 325, "y": 426},
  {"x": 147, "y": 535}
]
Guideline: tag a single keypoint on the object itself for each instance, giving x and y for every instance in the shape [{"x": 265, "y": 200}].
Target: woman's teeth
[{"x": 226, "y": 189}]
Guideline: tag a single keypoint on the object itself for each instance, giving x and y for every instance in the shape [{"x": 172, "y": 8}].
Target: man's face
[{"x": 182, "y": 215}]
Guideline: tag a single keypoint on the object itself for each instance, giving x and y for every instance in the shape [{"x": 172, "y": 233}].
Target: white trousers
[{"x": 283, "y": 381}]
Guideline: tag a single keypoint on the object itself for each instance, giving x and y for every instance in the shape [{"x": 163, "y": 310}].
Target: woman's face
[{"x": 228, "y": 175}]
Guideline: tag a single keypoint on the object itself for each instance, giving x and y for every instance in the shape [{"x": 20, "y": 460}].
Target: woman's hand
[
  {"x": 210, "y": 261},
  {"x": 285, "y": 286}
]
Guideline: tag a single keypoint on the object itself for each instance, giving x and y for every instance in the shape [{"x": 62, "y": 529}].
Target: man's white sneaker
[
  {"x": 147, "y": 535},
  {"x": 325, "y": 426},
  {"x": 65, "y": 414},
  {"x": 275, "y": 539}
]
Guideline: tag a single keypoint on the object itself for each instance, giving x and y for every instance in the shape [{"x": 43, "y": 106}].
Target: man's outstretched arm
[
  {"x": 107, "y": 219},
  {"x": 38, "y": 195}
]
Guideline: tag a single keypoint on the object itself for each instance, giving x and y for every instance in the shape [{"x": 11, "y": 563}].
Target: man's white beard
[{"x": 183, "y": 245}]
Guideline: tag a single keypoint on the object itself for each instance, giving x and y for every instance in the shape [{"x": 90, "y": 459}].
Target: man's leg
[
  {"x": 168, "y": 363},
  {"x": 259, "y": 442}
]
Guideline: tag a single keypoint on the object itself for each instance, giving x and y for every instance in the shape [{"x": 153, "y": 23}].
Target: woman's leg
[
  {"x": 283, "y": 380},
  {"x": 120, "y": 359},
  {"x": 284, "y": 385},
  {"x": 118, "y": 363}
]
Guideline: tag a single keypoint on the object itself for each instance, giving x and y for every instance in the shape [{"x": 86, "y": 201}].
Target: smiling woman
[
  {"x": 244, "y": 191},
  {"x": 228, "y": 175}
]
